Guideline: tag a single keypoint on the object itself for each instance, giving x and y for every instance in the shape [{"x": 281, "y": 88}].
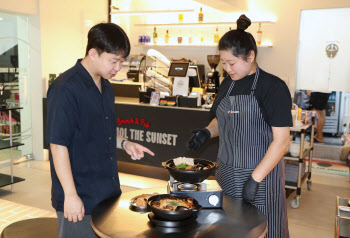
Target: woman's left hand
[
  {"x": 136, "y": 151},
  {"x": 250, "y": 189}
]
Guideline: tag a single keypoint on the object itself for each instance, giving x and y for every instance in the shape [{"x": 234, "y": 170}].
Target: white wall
[
  {"x": 19, "y": 6},
  {"x": 279, "y": 60},
  {"x": 64, "y": 28},
  {"x": 316, "y": 70}
]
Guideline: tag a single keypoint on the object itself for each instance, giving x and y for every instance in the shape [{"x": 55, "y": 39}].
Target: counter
[{"x": 163, "y": 129}]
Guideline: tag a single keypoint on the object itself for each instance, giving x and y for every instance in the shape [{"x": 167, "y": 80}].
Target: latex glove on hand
[
  {"x": 250, "y": 189},
  {"x": 200, "y": 137}
]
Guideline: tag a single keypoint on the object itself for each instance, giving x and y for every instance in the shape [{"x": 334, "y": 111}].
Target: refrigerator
[
  {"x": 344, "y": 111},
  {"x": 333, "y": 114}
]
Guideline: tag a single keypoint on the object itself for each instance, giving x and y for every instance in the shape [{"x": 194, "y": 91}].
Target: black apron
[{"x": 244, "y": 140}]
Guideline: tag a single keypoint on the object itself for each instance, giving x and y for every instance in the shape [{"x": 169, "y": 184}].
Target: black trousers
[{"x": 69, "y": 229}]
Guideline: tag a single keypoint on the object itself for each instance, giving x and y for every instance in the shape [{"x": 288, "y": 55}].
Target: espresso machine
[
  {"x": 137, "y": 65},
  {"x": 213, "y": 76}
]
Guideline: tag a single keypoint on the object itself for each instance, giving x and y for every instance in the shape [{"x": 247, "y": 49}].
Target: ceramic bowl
[{"x": 294, "y": 148}]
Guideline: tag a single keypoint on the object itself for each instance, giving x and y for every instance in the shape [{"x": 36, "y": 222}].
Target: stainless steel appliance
[
  {"x": 137, "y": 65},
  {"x": 344, "y": 114},
  {"x": 213, "y": 76},
  {"x": 332, "y": 114},
  {"x": 208, "y": 192}
]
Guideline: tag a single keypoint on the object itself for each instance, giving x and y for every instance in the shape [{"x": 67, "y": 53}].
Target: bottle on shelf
[
  {"x": 179, "y": 40},
  {"x": 155, "y": 36},
  {"x": 190, "y": 40},
  {"x": 148, "y": 38},
  {"x": 200, "y": 16},
  {"x": 143, "y": 38},
  {"x": 181, "y": 18},
  {"x": 216, "y": 36},
  {"x": 140, "y": 39},
  {"x": 259, "y": 36},
  {"x": 167, "y": 37}
]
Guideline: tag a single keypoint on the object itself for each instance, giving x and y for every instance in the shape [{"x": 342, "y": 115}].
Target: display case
[
  {"x": 332, "y": 113},
  {"x": 9, "y": 144}
]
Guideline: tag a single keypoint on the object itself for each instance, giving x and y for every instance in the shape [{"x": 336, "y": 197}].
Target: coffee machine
[
  {"x": 136, "y": 67},
  {"x": 213, "y": 76}
]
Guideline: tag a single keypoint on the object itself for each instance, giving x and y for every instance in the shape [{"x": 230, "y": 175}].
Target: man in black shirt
[{"x": 81, "y": 130}]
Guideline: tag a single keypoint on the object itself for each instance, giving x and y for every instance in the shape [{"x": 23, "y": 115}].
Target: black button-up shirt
[{"x": 83, "y": 119}]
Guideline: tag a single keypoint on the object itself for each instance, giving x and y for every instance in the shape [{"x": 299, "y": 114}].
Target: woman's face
[{"x": 237, "y": 67}]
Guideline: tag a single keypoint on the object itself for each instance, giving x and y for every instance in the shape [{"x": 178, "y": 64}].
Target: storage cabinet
[{"x": 342, "y": 219}]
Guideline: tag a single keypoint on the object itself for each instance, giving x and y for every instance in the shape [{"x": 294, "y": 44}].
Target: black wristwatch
[{"x": 122, "y": 144}]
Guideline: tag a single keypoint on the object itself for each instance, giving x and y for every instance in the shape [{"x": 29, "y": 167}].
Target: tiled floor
[
  {"x": 11, "y": 212},
  {"x": 314, "y": 218}
]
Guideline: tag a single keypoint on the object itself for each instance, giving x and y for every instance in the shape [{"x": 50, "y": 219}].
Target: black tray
[
  {"x": 164, "y": 223},
  {"x": 139, "y": 209}
]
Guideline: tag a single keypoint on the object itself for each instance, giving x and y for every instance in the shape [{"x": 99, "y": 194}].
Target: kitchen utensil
[
  {"x": 165, "y": 223},
  {"x": 294, "y": 148},
  {"x": 208, "y": 193},
  {"x": 189, "y": 176},
  {"x": 172, "y": 215}
]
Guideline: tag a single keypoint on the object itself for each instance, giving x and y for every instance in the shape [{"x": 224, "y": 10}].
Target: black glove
[
  {"x": 198, "y": 139},
  {"x": 250, "y": 189}
]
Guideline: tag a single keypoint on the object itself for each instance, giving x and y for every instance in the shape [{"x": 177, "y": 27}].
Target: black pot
[
  {"x": 189, "y": 176},
  {"x": 172, "y": 215}
]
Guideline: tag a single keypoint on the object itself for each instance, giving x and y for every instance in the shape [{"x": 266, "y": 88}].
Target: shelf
[
  {"x": 207, "y": 46},
  {"x": 5, "y": 144},
  {"x": 289, "y": 157},
  {"x": 293, "y": 185},
  {"x": 8, "y": 134},
  {"x": 6, "y": 180},
  {"x": 150, "y": 12},
  {"x": 127, "y": 82},
  {"x": 10, "y": 108},
  {"x": 196, "y": 24},
  {"x": 299, "y": 128},
  {"x": 306, "y": 151},
  {"x": 340, "y": 213}
]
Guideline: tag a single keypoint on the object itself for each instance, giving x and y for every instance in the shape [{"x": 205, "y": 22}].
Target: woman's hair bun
[{"x": 243, "y": 22}]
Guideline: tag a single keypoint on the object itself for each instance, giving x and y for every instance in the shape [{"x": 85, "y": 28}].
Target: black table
[{"x": 113, "y": 218}]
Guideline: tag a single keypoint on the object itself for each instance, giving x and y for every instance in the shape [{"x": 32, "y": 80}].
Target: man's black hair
[
  {"x": 109, "y": 38},
  {"x": 239, "y": 42}
]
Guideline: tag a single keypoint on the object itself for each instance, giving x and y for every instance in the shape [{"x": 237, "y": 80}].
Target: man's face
[
  {"x": 236, "y": 67},
  {"x": 108, "y": 64}
]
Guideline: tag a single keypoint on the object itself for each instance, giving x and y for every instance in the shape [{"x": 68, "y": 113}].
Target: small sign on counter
[{"x": 155, "y": 97}]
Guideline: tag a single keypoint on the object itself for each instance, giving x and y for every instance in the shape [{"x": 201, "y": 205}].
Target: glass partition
[{"x": 15, "y": 83}]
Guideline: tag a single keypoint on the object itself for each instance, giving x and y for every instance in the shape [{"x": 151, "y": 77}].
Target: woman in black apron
[{"x": 253, "y": 116}]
